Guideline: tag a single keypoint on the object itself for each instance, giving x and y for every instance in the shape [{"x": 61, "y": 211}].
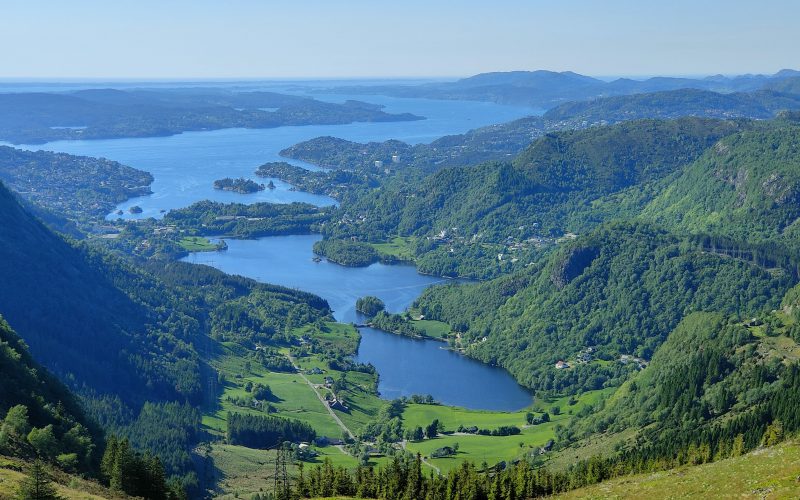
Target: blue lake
[
  {"x": 406, "y": 366},
  {"x": 184, "y": 167}
]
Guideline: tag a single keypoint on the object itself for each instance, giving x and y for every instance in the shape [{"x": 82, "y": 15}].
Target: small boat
[{"x": 317, "y": 259}]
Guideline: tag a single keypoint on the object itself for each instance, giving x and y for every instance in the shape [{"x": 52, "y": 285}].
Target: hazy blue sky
[{"x": 329, "y": 38}]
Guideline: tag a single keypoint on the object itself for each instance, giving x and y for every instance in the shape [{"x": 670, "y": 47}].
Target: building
[{"x": 562, "y": 365}]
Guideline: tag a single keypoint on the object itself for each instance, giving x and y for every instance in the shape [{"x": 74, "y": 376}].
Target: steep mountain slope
[
  {"x": 543, "y": 182},
  {"x": 40, "y": 400},
  {"x": 747, "y": 187},
  {"x": 63, "y": 301},
  {"x": 134, "y": 341},
  {"x": 619, "y": 290},
  {"x": 549, "y": 189}
]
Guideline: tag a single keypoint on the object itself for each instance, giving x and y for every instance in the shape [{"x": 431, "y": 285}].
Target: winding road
[{"x": 321, "y": 398}]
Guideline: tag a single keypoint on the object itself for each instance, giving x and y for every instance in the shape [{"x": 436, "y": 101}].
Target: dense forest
[
  {"x": 128, "y": 338},
  {"x": 40, "y": 417},
  {"x": 466, "y": 216}
]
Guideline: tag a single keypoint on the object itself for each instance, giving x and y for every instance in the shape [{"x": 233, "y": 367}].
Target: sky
[{"x": 260, "y": 39}]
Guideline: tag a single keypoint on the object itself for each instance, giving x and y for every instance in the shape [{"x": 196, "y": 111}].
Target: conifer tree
[{"x": 37, "y": 485}]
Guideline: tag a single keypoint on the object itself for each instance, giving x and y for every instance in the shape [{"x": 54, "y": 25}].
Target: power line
[{"x": 283, "y": 456}]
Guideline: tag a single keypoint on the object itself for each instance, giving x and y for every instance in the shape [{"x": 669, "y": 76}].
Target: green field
[
  {"x": 432, "y": 328},
  {"x": 400, "y": 247},
  {"x": 240, "y": 472},
  {"x": 293, "y": 397},
  {"x": 490, "y": 449},
  {"x": 766, "y": 473},
  {"x": 197, "y": 244}
]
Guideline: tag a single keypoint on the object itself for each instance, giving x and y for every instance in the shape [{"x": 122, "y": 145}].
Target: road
[
  {"x": 424, "y": 461},
  {"x": 322, "y": 399}
]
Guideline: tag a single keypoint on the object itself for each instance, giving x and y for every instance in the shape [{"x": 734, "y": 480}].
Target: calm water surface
[
  {"x": 406, "y": 366},
  {"x": 185, "y": 166}
]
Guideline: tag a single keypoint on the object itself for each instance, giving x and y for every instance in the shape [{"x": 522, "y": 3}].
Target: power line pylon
[{"x": 283, "y": 457}]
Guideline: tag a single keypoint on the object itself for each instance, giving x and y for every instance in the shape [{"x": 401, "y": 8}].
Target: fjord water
[
  {"x": 185, "y": 166},
  {"x": 406, "y": 366}
]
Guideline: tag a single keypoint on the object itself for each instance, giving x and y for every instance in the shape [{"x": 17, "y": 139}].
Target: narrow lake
[{"x": 185, "y": 166}]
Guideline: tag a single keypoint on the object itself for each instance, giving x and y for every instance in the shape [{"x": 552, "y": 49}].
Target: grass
[
  {"x": 491, "y": 449},
  {"x": 451, "y": 417},
  {"x": 432, "y": 328},
  {"x": 241, "y": 472},
  {"x": 293, "y": 397},
  {"x": 69, "y": 487},
  {"x": 765, "y": 473},
  {"x": 197, "y": 244},
  {"x": 400, "y": 247}
]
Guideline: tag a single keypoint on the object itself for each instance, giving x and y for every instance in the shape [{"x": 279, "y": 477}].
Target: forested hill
[
  {"x": 619, "y": 290},
  {"x": 674, "y": 104},
  {"x": 731, "y": 212},
  {"x": 746, "y": 188},
  {"x": 538, "y": 184},
  {"x": 64, "y": 303},
  {"x": 133, "y": 340},
  {"x": 31, "y": 398},
  {"x": 718, "y": 387},
  {"x": 548, "y": 190}
]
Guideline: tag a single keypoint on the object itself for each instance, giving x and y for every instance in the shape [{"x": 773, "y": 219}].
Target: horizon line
[{"x": 234, "y": 79}]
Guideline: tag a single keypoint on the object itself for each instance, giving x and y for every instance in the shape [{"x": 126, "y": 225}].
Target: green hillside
[
  {"x": 765, "y": 473},
  {"x": 469, "y": 215},
  {"x": 619, "y": 290},
  {"x": 134, "y": 339},
  {"x": 746, "y": 187},
  {"x": 38, "y": 415}
]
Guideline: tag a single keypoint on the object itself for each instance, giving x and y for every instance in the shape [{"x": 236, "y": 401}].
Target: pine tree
[{"x": 37, "y": 485}]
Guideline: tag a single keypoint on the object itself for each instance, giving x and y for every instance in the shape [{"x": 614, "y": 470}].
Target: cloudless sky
[{"x": 154, "y": 39}]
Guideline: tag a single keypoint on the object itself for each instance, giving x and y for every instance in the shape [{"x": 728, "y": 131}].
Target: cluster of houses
[
  {"x": 641, "y": 363},
  {"x": 512, "y": 245},
  {"x": 379, "y": 163},
  {"x": 585, "y": 355}
]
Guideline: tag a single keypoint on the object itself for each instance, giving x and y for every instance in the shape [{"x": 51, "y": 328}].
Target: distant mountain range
[{"x": 546, "y": 89}]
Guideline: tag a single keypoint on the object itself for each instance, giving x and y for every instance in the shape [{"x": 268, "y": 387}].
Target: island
[
  {"x": 240, "y": 185},
  {"x": 369, "y": 305}
]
